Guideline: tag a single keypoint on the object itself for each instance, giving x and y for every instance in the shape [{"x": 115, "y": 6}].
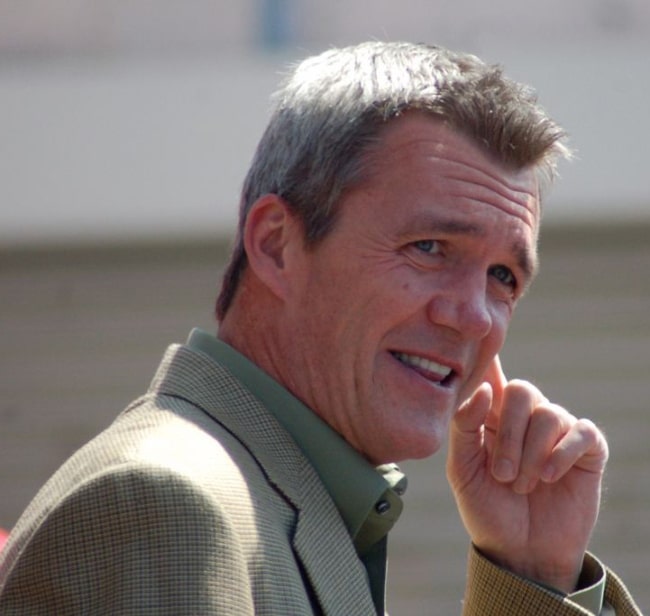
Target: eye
[
  {"x": 428, "y": 246},
  {"x": 504, "y": 275}
]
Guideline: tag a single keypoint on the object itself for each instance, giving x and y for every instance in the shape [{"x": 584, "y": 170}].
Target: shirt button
[{"x": 382, "y": 507}]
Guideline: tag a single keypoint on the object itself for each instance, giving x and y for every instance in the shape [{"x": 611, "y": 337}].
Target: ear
[{"x": 269, "y": 230}]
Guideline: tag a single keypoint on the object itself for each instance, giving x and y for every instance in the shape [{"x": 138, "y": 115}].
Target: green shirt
[{"x": 368, "y": 498}]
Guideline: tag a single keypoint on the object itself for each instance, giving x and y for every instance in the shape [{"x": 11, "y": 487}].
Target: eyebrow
[
  {"x": 453, "y": 227},
  {"x": 526, "y": 259}
]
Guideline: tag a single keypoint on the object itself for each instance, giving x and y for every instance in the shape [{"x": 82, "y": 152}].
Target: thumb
[
  {"x": 466, "y": 438},
  {"x": 470, "y": 416}
]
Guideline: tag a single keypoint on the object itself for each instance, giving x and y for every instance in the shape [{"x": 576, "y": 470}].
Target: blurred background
[{"x": 125, "y": 131}]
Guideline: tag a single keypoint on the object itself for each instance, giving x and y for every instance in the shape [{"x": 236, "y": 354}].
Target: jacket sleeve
[
  {"x": 130, "y": 541},
  {"x": 493, "y": 591}
]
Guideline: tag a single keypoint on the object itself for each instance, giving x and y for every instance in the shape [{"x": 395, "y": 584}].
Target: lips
[{"x": 429, "y": 369}]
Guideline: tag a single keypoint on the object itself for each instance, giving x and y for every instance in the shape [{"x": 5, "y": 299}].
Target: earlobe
[{"x": 269, "y": 228}]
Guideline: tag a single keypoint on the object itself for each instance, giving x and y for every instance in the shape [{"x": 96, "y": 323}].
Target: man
[{"x": 388, "y": 229}]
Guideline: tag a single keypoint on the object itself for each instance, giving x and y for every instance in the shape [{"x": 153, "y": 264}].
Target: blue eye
[
  {"x": 504, "y": 275},
  {"x": 428, "y": 246}
]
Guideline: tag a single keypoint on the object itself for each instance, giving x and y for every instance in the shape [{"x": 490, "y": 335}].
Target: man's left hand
[{"x": 527, "y": 476}]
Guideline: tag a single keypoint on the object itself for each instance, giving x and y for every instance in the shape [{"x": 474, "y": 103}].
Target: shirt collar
[{"x": 367, "y": 498}]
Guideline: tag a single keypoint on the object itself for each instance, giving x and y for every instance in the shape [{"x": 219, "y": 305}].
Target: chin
[
  {"x": 410, "y": 447},
  {"x": 425, "y": 450}
]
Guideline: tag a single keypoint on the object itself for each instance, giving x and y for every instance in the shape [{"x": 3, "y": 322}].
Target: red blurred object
[{"x": 3, "y": 538}]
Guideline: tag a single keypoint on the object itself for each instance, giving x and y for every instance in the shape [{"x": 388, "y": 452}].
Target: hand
[{"x": 526, "y": 475}]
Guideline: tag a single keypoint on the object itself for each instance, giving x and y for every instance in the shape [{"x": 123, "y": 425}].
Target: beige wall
[
  {"x": 137, "y": 118},
  {"x": 86, "y": 26},
  {"x": 83, "y": 26}
]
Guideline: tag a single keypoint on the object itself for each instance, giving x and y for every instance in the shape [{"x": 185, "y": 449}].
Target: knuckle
[
  {"x": 588, "y": 430},
  {"x": 523, "y": 394},
  {"x": 587, "y": 425},
  {"x": 593, "y": 434},
  {"x": 519, "y": 387},
  {"x": 546, "y": 418},
  {"x": 545, "y": 412}
]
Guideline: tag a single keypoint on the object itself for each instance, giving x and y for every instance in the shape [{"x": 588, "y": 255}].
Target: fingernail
[
  {"x": 548, "y": 473},
  {"x": 504, "y": 470}
]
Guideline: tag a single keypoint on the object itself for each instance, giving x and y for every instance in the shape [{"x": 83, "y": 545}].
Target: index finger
[{"x": 497, "y": 380}]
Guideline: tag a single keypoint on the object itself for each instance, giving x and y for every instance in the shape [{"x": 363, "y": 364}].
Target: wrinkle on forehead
[
  {"x": 457, "y": 158},
  {"x": 524, "y": 213},
  {"x": 522, "y": 194}
]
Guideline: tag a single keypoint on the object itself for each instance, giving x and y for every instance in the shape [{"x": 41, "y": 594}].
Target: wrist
[{"x": 552, "y": 575}]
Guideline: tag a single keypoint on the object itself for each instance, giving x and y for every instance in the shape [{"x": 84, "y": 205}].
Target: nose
[{"x": 463, "y": 307}]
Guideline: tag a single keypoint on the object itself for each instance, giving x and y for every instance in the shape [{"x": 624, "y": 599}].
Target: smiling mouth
[{"x": 438, "y": 374}]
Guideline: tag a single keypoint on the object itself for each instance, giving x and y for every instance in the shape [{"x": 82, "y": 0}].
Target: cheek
[{"x": 500, "y": 324}]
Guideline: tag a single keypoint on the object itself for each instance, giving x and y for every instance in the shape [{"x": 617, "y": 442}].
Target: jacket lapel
[
  {"x": 323, "y": 545},
  {"x": 321, "y": 541}
]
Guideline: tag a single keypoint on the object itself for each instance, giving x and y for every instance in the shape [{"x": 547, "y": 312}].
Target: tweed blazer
[{"x": 196, "y": 501}]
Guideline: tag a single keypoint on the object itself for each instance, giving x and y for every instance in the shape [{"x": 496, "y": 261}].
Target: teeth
[{"x": 425, "y": 364}]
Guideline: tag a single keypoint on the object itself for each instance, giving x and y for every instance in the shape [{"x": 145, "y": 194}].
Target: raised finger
[{"x": 498, "y": 381}]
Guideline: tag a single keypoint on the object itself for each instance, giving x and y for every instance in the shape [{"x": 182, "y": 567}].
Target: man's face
[{"x": 395, "y": 316}]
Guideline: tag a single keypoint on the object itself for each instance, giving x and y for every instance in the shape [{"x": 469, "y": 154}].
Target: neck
[{"x": 249, "y": 327}]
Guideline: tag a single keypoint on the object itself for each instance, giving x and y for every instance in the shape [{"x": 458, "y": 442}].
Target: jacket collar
[
  {"x": 337, "y": 576},
  {"x": 357, "y": 488}
]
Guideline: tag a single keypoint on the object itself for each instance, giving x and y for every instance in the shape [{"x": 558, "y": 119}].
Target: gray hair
[{"x": 331, "y": 111}]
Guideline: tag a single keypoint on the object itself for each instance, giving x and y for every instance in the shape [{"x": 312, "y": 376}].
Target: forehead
[{"x": 426, "y": 148}]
